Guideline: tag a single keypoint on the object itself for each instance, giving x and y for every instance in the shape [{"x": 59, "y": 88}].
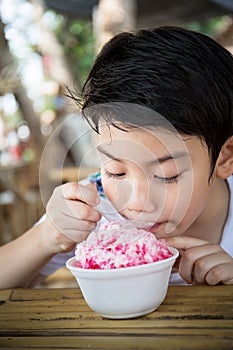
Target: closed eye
[
  {"x": 114, "y": 175},
  {"x": 167, "y": 179}
]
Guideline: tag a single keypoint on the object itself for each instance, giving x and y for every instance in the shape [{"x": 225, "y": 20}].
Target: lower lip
[{"x": 155, "y": 227}]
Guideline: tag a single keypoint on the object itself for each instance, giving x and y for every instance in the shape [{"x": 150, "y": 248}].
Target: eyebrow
[{"x": 160, "y": 160}]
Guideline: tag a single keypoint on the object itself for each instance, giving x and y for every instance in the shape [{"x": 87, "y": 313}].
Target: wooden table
[{"x": 196, "y": 317}]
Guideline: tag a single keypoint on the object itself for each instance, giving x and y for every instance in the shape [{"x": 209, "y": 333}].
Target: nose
[{"x": 141, "y": 200}]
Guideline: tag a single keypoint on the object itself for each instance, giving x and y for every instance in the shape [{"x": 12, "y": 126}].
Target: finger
[
  {"x": 74, "y": 191},
  {"x": 222, "y": 273},
  {"x": 79, "y": 211},
  {"x": 77, "y": 235},
  {"x": 189, "y": 258},
  {"x": 185, "y": 242},
  {"x": 79, "y": 226},
  {"x": 73, "y": 237},
  {"x": 208, "y": 262},
  {"x": 72, "y": 215},
  {"x": 68, "y": 224}
]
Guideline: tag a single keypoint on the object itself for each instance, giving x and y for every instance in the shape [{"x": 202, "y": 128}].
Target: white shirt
[{"x": 226, "y": 243}]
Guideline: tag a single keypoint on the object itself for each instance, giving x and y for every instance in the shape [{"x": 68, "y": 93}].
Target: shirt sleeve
[{"x": 59, "y": 260}]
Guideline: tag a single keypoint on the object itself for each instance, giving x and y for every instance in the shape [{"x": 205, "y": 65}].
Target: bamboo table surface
[{"x": 192, "y": 317}]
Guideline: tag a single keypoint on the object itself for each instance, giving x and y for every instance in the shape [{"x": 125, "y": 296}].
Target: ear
[{"x": 224, "y": 164}]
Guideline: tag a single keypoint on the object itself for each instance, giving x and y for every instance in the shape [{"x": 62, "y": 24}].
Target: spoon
[{"x": 109, "y": 212}]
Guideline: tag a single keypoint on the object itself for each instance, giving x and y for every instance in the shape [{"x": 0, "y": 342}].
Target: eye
[
  {"x": 114, "y": 175},
  {"x": 167, "y": 179}
]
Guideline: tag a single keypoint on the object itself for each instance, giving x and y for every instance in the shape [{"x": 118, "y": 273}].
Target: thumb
[
  {"x": 184, "y": 242},
  {"x": 84, "y": 193},
  {"x": 93, "y": 188}
]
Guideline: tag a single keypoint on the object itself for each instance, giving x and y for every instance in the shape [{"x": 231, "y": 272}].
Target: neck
[{"x": 211, "y": 222}]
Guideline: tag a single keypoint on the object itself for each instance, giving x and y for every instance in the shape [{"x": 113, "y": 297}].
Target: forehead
[
  {"x": 146, "y": 146},
  {"x": 141, "y": 142}
]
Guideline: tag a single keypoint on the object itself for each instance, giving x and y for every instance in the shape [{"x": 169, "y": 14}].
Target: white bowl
[{"x": 125, "y": 292}]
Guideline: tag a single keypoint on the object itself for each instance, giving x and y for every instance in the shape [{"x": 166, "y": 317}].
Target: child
[{"x": 162, "y": 103}]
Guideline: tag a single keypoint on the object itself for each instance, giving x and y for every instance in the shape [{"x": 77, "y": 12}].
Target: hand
[
  {"x": 70, "y": 216},
  {"x": 202, "y": 262}
]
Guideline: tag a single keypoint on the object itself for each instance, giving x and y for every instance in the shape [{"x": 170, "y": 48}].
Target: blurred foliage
[
  {"x": 84, "y": 50},
  {"x": 77, "y": 39},
  {"x": 210, "y": 27}
]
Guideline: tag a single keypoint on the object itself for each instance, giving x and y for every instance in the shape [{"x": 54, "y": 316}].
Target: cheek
[
  {"x": 200, "y": 197},
  {"x": 178, "y": 200},
  {"x": 111, "y": 189},
  {"x": 118, "y": 192},
  {"x": 192, "y": 203},
  {"x": 172, "y": 203}
]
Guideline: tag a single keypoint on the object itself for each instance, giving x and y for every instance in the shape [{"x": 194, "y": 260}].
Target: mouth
[
  {"x": 146, "y": 225},
  {"x": 159, "y": 229},
  {"x": 155, "y": 227}
]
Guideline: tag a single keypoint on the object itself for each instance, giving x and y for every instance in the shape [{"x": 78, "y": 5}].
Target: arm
[
  {"x": 22, "y": 259},
  {"x": 70, "y": 218},
  {"x": 202, "y": 262}
]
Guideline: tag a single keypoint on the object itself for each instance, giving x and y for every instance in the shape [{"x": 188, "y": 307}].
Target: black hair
[{"x": 183, "y": 75}]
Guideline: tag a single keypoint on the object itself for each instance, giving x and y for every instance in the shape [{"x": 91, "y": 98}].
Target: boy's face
[{"x": 156, "y": 176}]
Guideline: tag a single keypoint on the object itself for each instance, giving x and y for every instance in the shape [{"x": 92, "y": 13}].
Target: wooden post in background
[{"x": 112, "y": 17}]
